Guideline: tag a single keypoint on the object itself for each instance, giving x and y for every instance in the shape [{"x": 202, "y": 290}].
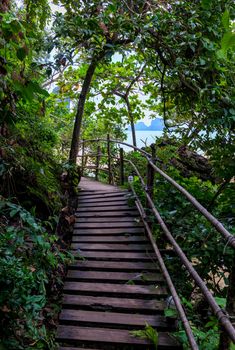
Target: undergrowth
[{"x": 31, "y": 270}]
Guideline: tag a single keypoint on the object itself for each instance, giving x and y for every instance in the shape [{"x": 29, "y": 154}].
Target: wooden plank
[
  {"x": 107, "y": 224},
  {"x": 117, "y": 199},
  {"x": 109, "y": 239},
  {"x": 126, "y": 213},
  {"x": 111, "y": 276},
  {"x": 85, "y": 204},
  {"x": 102, "y": 194},
  {"x": 96, "y": 255},
  {"x": 113, "y": 319},
  {"x": 87, "y": 335},
  {"x": 122, "y": 231},
  {"x": 88, "y": 302},
  {"x": 112, "y": 247},
  {"x": 114, "y": 219},
  {"x": 114, "y": 266},
  {"x": 123, "y": 290},
  {"x": 69, "y": 348},
  {"x": 118, "y": 208}
]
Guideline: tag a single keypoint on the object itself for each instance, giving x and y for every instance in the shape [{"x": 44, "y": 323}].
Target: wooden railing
[{"x": 221, "y": 315}]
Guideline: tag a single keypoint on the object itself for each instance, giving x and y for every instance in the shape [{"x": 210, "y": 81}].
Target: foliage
[
  {"x": 31, "y": 267},
  {"x": 31, "y": 263},
  {"x": 148, "y": 333},
  {"x": 202, "y": 244}
]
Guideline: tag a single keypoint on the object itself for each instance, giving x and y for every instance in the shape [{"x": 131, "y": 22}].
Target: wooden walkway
[{"x": 116, "y": 287}]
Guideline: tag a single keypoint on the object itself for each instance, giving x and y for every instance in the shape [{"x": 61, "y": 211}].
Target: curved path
[{"x": 114, "y": 286}]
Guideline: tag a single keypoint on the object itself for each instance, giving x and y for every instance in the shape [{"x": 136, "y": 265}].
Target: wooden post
[
  {"x": 121, "y": 166},
  {"x": 150, "y": 177},
  {"x": 83, "y": 155},
  {"x": 109, "y": 159},
  {"x": 97, "y": 163}
]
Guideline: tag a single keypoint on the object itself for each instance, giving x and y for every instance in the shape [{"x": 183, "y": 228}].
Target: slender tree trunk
[
  {"x": 131, "y": 118},
  {"x": 80, "y": 109}
]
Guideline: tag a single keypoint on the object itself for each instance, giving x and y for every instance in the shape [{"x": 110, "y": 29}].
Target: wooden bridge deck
[{"x": 117, "y": 286}]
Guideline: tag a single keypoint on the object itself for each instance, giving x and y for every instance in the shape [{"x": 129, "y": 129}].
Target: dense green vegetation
[{"x": 85, "y": 69}]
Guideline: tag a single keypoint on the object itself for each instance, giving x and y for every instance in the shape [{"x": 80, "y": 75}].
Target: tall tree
[{"x": 98, "y": 29}]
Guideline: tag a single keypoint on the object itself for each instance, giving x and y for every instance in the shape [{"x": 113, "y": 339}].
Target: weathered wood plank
[
  {"x": 114, "y": 266},
  {"x": 115, "y": 208},
  {"x": 107, "y": 224},
  {"x": 96, "y": 255},
  {"x": 110, "y": 289},
  {"x": 88, "y": 302},
  {"x": 113, "y": 319},
  {"x": 72, "y": 334},
  {"x": 126, "y": 213},
  {"x": 114, "y": 220},
  {"x": 109, "y": 239},
  {"x": 112, "y": 247},
  {"x": 85, "y": 204},
  {"x": 106, "y": 231},
  {"x": 97, "y": 194},
  {"x": 69, "y": 348},
  {"x": 92, "y": 200},
  {"x": 112, "y": 277}
]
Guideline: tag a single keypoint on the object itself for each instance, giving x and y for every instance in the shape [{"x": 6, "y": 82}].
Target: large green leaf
[
  {"x": 228, "y": 41},
  {"x": 225, "y": 19}
]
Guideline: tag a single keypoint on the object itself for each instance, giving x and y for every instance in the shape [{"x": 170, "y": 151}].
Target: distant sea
[{"x": 148, "y": 136}]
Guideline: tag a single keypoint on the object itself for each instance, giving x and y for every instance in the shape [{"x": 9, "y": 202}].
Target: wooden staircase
[{"x": 114, "y": 286}]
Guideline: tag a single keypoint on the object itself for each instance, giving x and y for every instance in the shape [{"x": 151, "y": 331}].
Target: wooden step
[
  {"x": 126, "y": 213},
  {"x": 125, "y": 231},
  {"x": 113, "y": 320},
  {"x": 69, "y": 348},
  {"x": 97, "y": 195},
  {"x": 114, "y": 220},
  {"x": 109, "y": 337},
  {"x": 114, "y": 266},
  {"x": 125, "y": 305},
  {"x": 131, "y": 247},
  {"x": 107, "y": 224},
  {"x": 111, "y": 289},
  {"x": 109, "y": 239},
  {"x": 116, "y": 208},
  {"x": 118, "y": 277},
  {"x": 122, "y": 256},
  {"x": 103, "y": 203}
]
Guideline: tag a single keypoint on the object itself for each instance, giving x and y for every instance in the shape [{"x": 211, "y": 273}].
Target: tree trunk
[
  {"x": 80, "y": 109},
  {"x": 131, "y": 118}
]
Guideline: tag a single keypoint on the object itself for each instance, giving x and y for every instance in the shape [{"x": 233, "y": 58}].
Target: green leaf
[
  {"x": 228, "y": 41},
  {"x": 36, "y": 88},
  {"x": 206, "y": 4},
  {"x": 13, "y": 212},
  {"x": 225, "y": 19},
  {"x": 21, "y": 53},
  {"x": 221, "y": 301},
  {"x": 170, "y": 312},
  {"x": 148, "y": 333}
]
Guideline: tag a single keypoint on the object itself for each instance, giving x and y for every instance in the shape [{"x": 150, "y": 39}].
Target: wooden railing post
[
  {"x": 121, "y": 166},
  {"x": 150, "y": 178},
  {"x": 109, "y": 159},
  {"x": 97, "y": 163},
  {"x": 83, "y": 157},
  {"x": 151, "y": 173}
]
